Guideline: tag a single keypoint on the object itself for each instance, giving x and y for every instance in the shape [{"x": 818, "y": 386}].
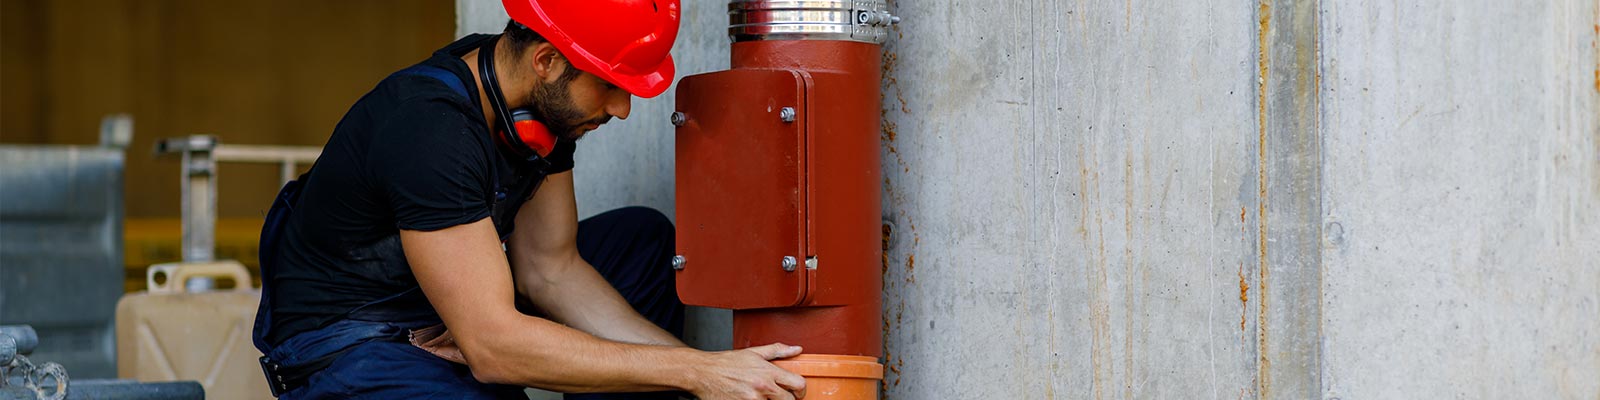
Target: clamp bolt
[
  {"x": 789, "y": 263},
  {"x": 678, "y": 263},
  {"x": 876, "y": 18},
  {"x": 679, "y": 118},
  {"x": 786, "y": 114}
]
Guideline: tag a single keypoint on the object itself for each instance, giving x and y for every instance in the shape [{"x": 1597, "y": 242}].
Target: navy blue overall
[{"x": 366, "y": 354}]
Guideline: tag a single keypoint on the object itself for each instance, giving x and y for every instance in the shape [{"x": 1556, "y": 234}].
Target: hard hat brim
[{"x": 647, "y": 85}]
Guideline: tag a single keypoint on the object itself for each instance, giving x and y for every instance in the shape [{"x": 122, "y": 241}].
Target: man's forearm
[
  {"x": 522, "y": 350},
  {"x": 573, "y": 293},
  {"x": 471, "y": 287}
]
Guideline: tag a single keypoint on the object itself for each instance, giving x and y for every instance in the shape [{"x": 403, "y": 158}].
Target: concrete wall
[
  {"x": 1075, "y": 192},
  {"x": 1286, "y": 199},
  {"x": 1461, "y": 199}
]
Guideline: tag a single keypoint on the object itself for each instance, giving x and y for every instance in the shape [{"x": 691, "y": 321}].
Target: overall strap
[
  {"x": 454, "y": 82},
  {"x": 440, "y": 74}
]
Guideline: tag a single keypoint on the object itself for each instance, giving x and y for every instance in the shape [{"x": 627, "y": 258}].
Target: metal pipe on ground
[
  {"x": 113, "y": 389},
  {"x": 23, "y": 339}
]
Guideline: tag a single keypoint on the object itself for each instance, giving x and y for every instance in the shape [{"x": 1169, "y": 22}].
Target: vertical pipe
[
  {"x": 199, "y": 201},
  {"x": 286, "y": 170},
  {"x": 830, "y": 51},
  {"x": 843, "y": 312}
]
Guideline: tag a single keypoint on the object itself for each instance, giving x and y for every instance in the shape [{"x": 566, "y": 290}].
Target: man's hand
[{"x": 747, "y": 374}]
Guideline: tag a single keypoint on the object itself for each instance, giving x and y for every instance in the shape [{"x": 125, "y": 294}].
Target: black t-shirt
[{"x": 411, "y": 154}]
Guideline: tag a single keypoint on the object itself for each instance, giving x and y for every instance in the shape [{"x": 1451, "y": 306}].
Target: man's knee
[
  {"x": 629, "y": 245},
  {"x": 648, "y": 220},
  {"x": 654, "y": 231},
  {"x": 636, "y": 227}
]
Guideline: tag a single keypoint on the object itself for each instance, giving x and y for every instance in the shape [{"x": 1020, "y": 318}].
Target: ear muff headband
[{"x": 507, "y": 134}]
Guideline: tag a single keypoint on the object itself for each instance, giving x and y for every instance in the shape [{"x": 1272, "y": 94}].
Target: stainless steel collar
[{"x": 854, "y": 20}]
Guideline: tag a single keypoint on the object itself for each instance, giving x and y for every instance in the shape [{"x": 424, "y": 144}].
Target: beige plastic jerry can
[{"x": 169, "y": 333}]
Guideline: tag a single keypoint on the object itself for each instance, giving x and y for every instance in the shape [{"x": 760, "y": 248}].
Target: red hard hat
[{"x": 625, "y": 42}]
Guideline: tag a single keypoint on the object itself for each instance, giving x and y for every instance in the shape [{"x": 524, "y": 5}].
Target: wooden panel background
[{"x": 274, "y": 72}]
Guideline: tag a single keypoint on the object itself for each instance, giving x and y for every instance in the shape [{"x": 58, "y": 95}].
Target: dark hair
[{"x": 520, "y": 38}]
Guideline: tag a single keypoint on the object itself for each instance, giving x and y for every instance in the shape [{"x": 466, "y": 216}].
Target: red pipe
[
  {"x": 842, "y": 311},
  {"x": 778, "y": 162}
]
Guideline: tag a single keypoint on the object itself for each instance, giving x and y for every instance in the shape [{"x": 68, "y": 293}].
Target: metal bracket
[
  {"x": 872, "y": 20},
  {"x": 199, "y": 193},
  {"x": 201, "y": 153}
]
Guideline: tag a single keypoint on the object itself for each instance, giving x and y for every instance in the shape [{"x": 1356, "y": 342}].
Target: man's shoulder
[
  {"x": 418, "y": 104},
  {"x": 416, "y": 93},
  {"x": 426, "y": 111}
]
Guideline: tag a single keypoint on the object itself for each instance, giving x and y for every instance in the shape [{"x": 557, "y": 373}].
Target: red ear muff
[
  {"x": 525, "y": 135},
  {"x": 532, "y": 133}
]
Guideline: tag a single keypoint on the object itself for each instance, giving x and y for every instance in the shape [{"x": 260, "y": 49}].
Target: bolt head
[
  {"x": 679, "y": 118},
  {"x": 789, "y": 263},
  {"x": 786, "y": 114},
  {"x": 678, "y": 262}
]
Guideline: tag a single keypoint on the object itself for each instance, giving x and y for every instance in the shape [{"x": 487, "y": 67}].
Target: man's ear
[{"x": 548, "y": 64}]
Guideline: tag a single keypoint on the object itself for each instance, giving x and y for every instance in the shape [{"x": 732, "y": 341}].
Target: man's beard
[{"x": 552, "y": 105}]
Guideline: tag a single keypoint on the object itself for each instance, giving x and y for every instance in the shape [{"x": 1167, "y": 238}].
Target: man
[{"x": 395, "y": 268}]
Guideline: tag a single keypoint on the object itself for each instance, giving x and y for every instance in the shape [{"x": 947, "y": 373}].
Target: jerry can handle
[{"x": 178, "y": 273}]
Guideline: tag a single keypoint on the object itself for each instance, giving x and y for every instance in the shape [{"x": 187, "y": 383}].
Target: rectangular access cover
[{"x": 740, "y": 188}]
